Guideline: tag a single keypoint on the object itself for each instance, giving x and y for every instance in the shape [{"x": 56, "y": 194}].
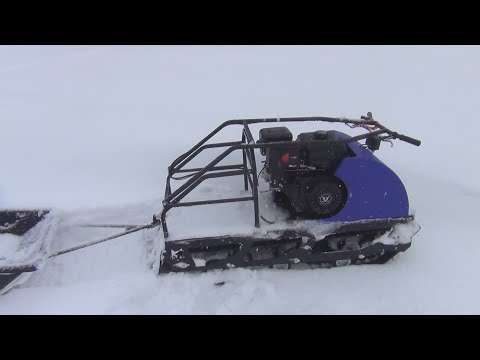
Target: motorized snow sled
[{"x": 338, "y": 203}]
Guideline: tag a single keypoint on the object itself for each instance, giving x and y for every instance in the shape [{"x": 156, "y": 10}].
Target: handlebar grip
[{"x": 407, "y": 139}]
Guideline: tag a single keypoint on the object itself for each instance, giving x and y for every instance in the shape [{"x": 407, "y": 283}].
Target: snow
[
  {"x": 91, "y": 130},
  {"x": 9, "y": 245},
  {"x": 31, "y": 248}
]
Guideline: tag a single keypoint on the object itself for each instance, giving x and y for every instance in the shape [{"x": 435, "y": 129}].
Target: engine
[{"x": 302, "y": 174}]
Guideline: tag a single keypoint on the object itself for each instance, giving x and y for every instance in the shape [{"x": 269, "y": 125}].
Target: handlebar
[{"x": 407, "y": 139}]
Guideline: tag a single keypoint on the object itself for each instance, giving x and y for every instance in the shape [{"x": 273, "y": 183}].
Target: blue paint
[{"x": 374, "y": 190}]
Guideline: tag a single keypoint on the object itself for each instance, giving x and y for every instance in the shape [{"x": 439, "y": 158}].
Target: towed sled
[{"x": 330, "y": 201}]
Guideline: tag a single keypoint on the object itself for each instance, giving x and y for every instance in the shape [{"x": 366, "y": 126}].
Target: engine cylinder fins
[{"x": 327, "y": 198}]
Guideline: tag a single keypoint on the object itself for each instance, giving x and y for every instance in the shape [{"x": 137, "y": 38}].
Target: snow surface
[
  {"x": 9, "y": 245},
  {"x": 91, "y": 130}
]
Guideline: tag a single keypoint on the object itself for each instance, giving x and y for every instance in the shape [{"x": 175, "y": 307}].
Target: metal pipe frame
[{"x": 248, "y": 168}]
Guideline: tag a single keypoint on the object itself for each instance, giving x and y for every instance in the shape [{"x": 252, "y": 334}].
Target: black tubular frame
[{"x": 248, "y": 168}]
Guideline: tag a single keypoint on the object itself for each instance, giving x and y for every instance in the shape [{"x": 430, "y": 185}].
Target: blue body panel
[{"x": 374, "y": 190}]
